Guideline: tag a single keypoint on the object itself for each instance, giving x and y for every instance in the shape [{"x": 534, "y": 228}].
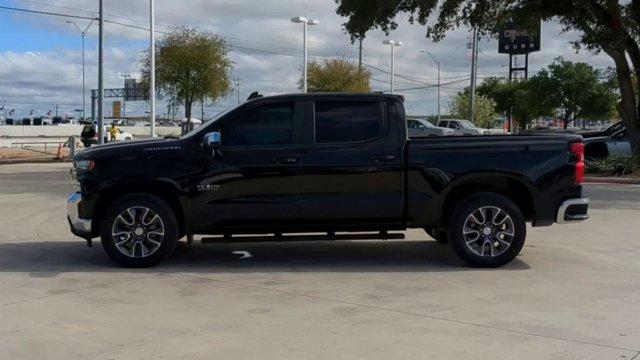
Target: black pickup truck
[{"x": 340, "y": 166}]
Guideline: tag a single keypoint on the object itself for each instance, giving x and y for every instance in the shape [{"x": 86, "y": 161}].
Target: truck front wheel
[
  {"x": 487, "y": 230},
  {"x": 139, "y": 230}
]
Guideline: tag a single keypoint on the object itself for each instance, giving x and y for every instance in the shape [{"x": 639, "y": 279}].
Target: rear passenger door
[{"x": 351, "y": 163}]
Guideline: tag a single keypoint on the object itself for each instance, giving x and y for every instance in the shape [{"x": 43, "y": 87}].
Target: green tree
[
  {"x": 524, "y": 99},
  {"x": 608, "y": 26},
  {"x": 190, "y": 66},
  {"x": 485, "y": 109},
  {"x": 337, "y": 75},
  {"x": 578, "y": 89}
]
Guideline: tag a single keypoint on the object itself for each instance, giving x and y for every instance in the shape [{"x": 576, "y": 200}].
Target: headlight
[{"x": 84, "y": 165}]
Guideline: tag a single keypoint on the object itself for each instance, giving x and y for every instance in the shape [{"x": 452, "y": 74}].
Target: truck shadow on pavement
[{"x": 51, "y": 258}]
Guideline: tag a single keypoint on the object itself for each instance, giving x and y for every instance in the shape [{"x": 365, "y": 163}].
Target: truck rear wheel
[
  {"x": 139, "y": 230},
  {"x": 487, "y": 230}
]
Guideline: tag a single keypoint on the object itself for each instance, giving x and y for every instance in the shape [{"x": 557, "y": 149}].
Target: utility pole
[
  {"x": 100, "y": 75},
  {"x": 360, "y": 52},
  {"x": 474, "y": 74},
  {"x": 202, "y": 110},
  {"x": 152, "y": 71},
  {"x": 57, "y": 110}
]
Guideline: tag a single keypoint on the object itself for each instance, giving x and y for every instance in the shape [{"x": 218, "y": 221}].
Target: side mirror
[{"x": 212, "y": 140}]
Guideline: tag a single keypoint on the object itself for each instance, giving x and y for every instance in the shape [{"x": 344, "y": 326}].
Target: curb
[
  {"x": 32, "y": 161},
  {"x": 612, "y": 180}
]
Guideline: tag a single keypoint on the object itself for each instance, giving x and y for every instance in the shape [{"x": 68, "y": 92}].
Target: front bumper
[
  {"x": 79, "y": 227},
  {"x": 573, "y": 210}
]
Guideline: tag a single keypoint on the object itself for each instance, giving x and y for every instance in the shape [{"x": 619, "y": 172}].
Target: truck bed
[{"x": 536, "y": 166}]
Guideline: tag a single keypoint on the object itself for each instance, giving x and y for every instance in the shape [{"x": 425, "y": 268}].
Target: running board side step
[{"x": 383, "y": 235}]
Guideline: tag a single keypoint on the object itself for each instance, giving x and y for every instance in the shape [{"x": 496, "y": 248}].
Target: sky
[{"x": 41, "y": 56}]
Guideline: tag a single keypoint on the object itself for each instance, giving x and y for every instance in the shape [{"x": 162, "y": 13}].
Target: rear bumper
[
  {"x": 79, "y": 227},
  {"x": 573, "y": 210}
]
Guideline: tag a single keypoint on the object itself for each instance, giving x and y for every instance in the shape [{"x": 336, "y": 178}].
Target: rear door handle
[
  {"x": 383, "y": 158},
  {"x": 284, "y": 161}
]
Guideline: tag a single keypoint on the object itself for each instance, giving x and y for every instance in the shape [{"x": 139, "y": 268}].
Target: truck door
[
  {"x": 253, "y": 180},
  {"x": 351, "y": 164}
]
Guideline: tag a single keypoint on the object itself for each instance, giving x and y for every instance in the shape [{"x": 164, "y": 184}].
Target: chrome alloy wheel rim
[
  {"x": 488, "y": 231},
  {"x": 137, "y": 232}
]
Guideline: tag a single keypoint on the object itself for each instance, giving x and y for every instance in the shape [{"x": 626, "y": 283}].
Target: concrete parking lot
[{"x": 573, "y": 293}]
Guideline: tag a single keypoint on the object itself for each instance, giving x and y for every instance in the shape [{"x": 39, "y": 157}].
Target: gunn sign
[{"x": 517, "y": 40}]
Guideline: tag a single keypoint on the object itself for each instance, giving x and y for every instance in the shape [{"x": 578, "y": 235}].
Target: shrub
[{"x": 615, "y": 165}]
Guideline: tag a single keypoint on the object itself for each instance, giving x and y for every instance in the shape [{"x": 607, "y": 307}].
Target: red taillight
[{"x": 577, "y": 149}]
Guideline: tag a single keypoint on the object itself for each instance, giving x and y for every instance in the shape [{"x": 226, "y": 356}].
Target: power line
[
  {"x": 432, "y": 86},
  {"x": 45, "y": 13}
]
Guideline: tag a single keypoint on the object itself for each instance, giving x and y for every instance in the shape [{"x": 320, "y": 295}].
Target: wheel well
[
  {"x": 165, "y": 191},
  {"x": 510, "y": 188}
]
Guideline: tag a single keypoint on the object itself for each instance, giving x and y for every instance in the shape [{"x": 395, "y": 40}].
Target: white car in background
[
  {"x": 423, "y": 128},
  {"x": 463, "y": 127}
]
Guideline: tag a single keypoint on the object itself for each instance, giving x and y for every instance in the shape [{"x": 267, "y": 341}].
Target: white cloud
[{"x": 49, "y": 77}]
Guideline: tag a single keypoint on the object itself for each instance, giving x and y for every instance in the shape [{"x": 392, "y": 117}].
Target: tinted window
[
  {"x": 414, "y": 124},
  {"x": 88, "y": 131},
  {"x": 262, "y": 126},
  {"x": 442, "y": 124},
  {"x": 454, "y": 125},
  {"x": 345, "y": 121}
]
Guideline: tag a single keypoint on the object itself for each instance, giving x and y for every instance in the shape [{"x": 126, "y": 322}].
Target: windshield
[
  {"x": 426, "y": 123},
  {"x": 207, "y": 123},
  {"x": 466, "y": 124}
]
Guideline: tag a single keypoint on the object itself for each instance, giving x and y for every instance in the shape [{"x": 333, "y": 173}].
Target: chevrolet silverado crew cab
[{"x": 340, "y": 166}]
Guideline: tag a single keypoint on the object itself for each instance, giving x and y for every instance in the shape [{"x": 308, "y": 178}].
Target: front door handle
[
  {"x": 383, "y": 158},
  {"x": 284, "y": 161}
]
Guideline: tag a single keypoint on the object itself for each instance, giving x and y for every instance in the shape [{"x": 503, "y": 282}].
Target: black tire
[
  {"x": 167, "y": 220},
  {"x": 489, "y": 201},
  {"x": 437, "y": 235}
]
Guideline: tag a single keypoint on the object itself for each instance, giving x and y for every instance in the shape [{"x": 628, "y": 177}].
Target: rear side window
[
  {"x": 347, "y": 121},
  {"x": 442, "y": 124},
  {"x": 266, "y": 125}
]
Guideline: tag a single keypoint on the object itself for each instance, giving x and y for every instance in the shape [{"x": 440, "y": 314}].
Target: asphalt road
[{"x": 573, "y": 293}]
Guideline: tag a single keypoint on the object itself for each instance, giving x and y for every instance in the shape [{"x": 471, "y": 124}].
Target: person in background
[{"x": 113, "y": 131}]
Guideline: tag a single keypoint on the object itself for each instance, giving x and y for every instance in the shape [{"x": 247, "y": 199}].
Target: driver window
[{"x": 266, "y": 125}]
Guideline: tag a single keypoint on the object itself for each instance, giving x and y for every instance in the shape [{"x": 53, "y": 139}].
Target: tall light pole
[
  {"x": 83, "y": 33},
  {"x": 393, "y": 45},
  {"x": 437, "y": 62},
  {"x": 101, "y": 75},
  {"x": 304, "y": 21},
  {"x": 152, "y": 70}
]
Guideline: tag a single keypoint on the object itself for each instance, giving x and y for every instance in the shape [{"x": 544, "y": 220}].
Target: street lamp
[
  {"x": 83, "y": 33},
  {"x": 437, "y": 62},
  {"x": 152, "y": 70},
  {"x": 304, "y": 21},
  {"x": 393, "y": 45}
]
